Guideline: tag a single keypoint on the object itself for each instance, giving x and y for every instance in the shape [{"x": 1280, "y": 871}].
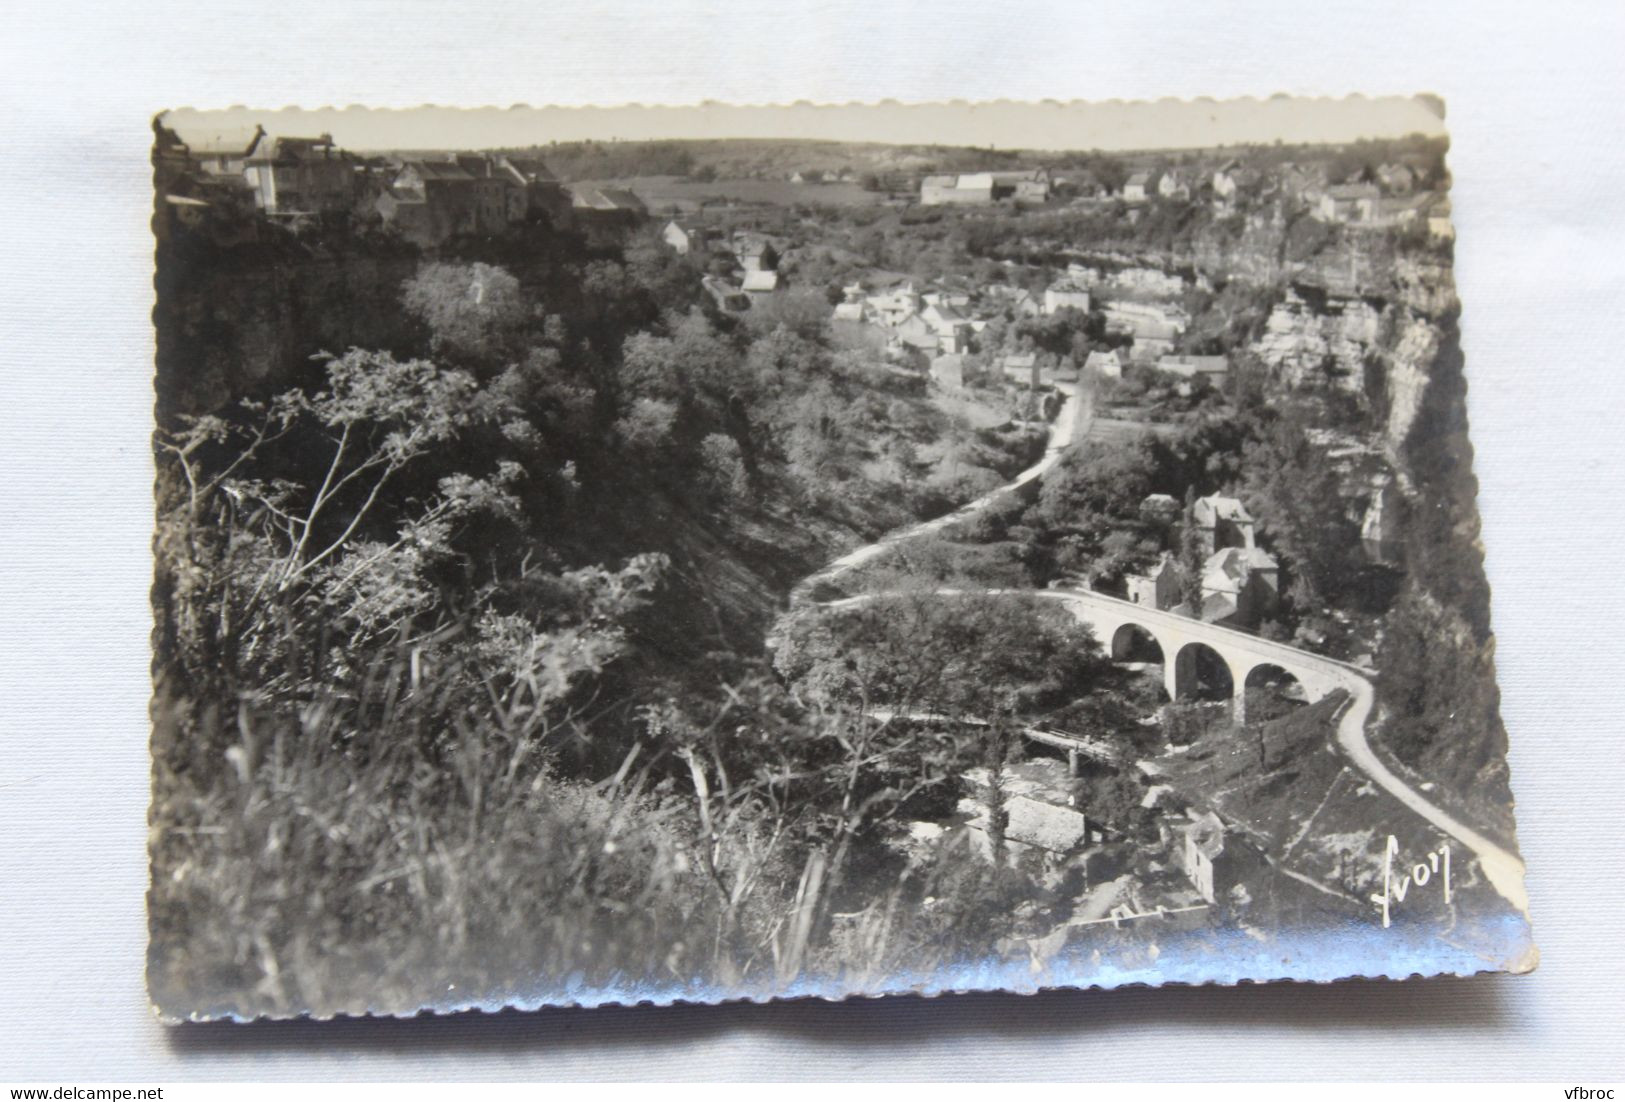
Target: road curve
[
  {"x": 1503, "y": 869},
  {"x": 1061, "y": 433}
]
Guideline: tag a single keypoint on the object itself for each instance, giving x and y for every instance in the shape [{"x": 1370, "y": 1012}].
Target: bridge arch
[
  {"x": 1197, "y": 670},
  {"x": 1269, "y": 691},
  {"x": 1133, "y": 642}
]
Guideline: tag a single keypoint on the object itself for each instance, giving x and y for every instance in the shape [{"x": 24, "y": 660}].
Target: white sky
[{"x": 1169, "y": 124}]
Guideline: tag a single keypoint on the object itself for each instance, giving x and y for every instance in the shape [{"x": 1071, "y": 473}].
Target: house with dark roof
[
  {"x": 1016, "y": 301},
  {"x": 607, "y": 209},
  {"x": 219, "y": 152},
  {"x": 301, "y": 176},
  {"x": 1027, "y": 185},
  {"x": 535, "y": 191},
  {"x": 1241, "y": 587},
  {"x": 429, "y": 202},
  {"x": 852, "y": 307},
  {"x": 495, "y": 197},
  {"x": 1134, "y": 189},
  {"x": 1159, "y": 587},
  {"x": 1222, "y": 522},
  {"x": 1031, "y": 185}
]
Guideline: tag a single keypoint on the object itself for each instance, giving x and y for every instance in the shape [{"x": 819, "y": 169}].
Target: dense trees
[
  {"x": 473, "y": 311},
  {"x": 1296, "y": 495},
  {"x": 438, "y": 569}
]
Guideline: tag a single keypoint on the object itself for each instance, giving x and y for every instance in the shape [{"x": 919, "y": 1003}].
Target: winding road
[
  {"x": 1319, "y": 674},
  {"x": 1061, "y": 433}
]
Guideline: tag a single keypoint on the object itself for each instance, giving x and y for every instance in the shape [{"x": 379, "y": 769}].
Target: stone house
[
  {"x": 1109, "y": 364},
  {"x": 686, "y": 238},
  {"x": 914, "y": 332},
  {"x": 959, "y": 300},
  {"x": 430, "y": 202},
  {"x": 1160, "y": 587},
  {"x": 966, "y": 188},
  {"x": 1064, "y": 294},
  {"x": 1134, "y": 190},
  {"x": 1222, "y": 522},
  {"x": 495, "y": 199},
  {"x": 952, "y": 328},
  {"x": 219, "y": 153},
  {"x": 607, "y": 210},
  {"x": 1030, "y": 185},
  {"x": 301, "y": 176},
  {"x": 1025, "y": 185},
  {"x": 1173, "y": 185},
  {"x": 1241, "y": 587},
  {"x": 892, "y": 307},
  {"x": 534, "y": 190},
  {"x": 1023, "y": 304}
]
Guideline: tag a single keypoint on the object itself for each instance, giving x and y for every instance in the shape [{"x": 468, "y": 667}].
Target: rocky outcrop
[
  {"x": 1408, "y": 366},
  {"x": 243, "y": 323},
  {"x": 1306, "y": 345}
]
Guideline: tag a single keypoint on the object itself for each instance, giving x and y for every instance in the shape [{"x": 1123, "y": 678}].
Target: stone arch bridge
[
  {"x": 1242, "y": 654},
  {"x": 1181, "y": 639}
]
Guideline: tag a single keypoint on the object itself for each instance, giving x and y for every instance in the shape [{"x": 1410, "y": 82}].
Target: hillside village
[{"x": 1226, "y": 354}]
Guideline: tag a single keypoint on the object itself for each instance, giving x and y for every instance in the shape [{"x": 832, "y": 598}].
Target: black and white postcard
[{"x": 697, "y": 554}]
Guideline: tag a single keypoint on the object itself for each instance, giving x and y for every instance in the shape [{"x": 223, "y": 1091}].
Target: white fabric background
[{"x": 1535, "y": 110}]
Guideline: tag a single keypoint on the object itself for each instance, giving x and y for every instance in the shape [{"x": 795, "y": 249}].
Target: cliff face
[
  {"x": 1409, "y": 365},
  {"x": 240, "y": 323},
  {"x": 1300, "y": 342}
]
